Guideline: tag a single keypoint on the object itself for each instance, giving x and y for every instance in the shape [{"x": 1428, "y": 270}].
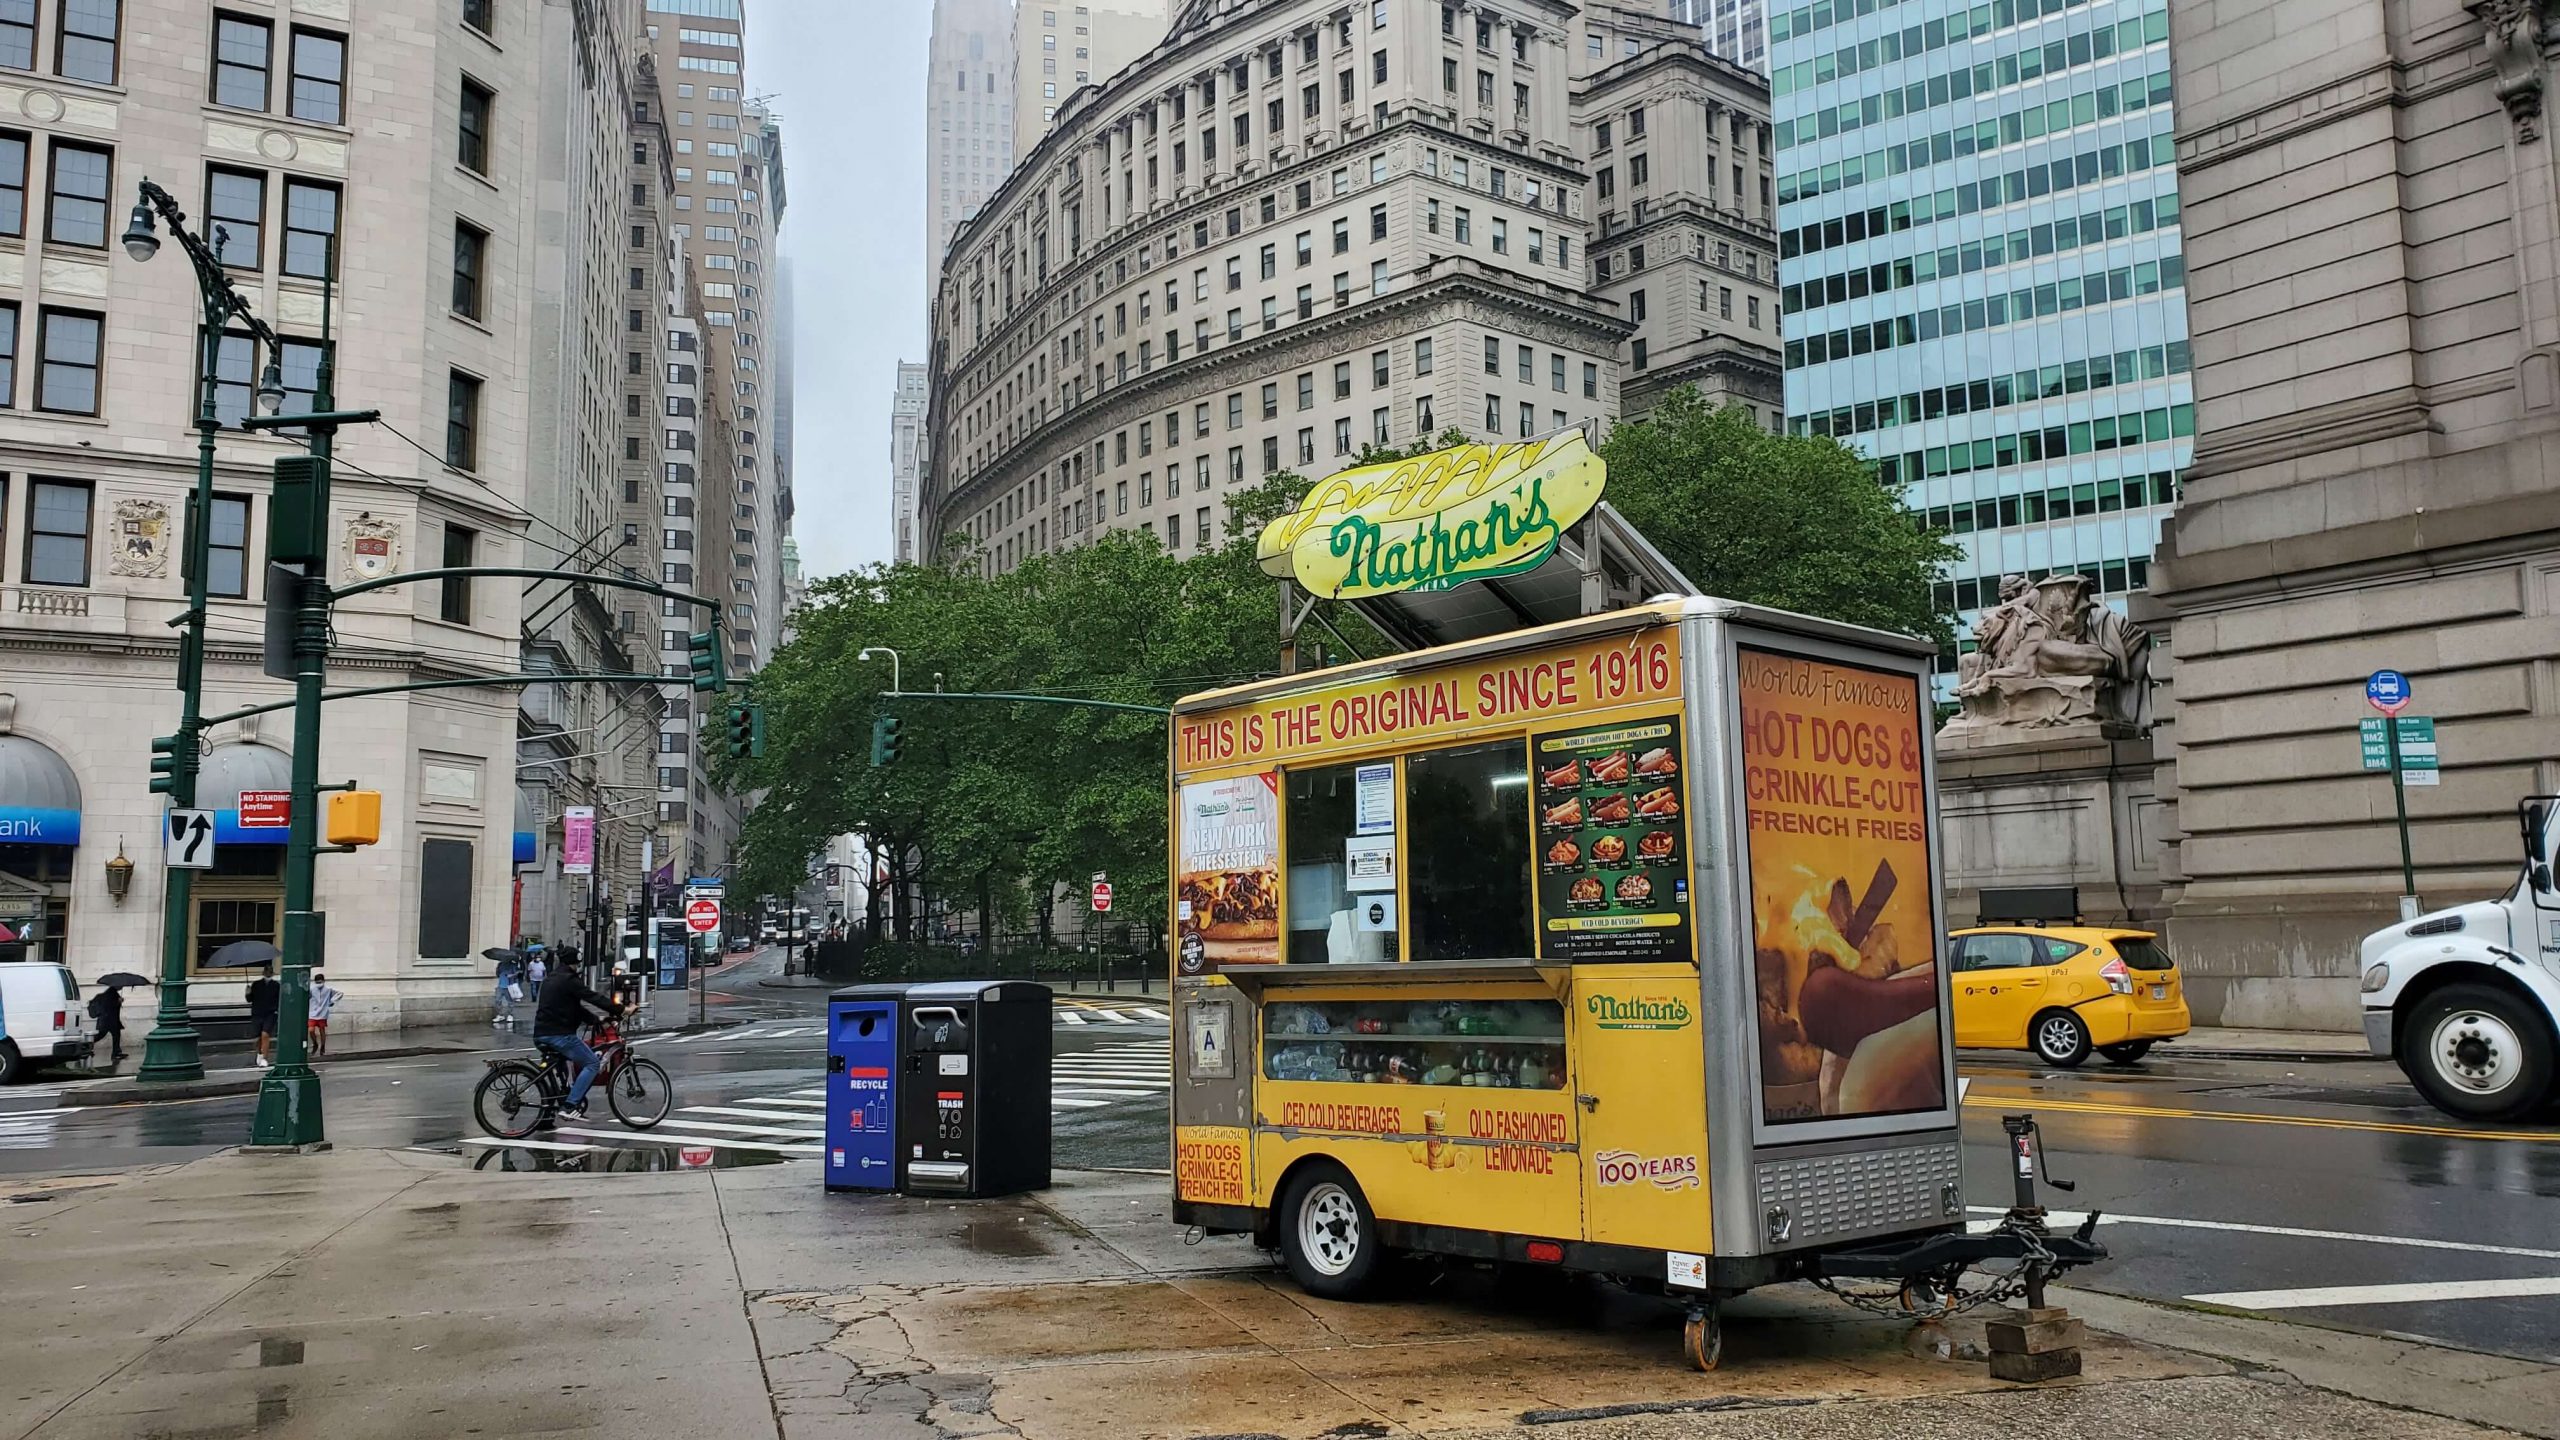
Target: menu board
[
  {"x": 1612, "y": 842},
  {"x": 1227, "y": 896}
]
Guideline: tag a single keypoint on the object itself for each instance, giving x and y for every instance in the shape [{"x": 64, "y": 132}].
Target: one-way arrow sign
[{"x": 189, "y": 840}]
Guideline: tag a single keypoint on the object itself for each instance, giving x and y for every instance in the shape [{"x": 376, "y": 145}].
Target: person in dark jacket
[
  {"x": 107, "y": 1008},
  {"x": 559, "y": 1013},
  {"x": 264, "y": 996}
]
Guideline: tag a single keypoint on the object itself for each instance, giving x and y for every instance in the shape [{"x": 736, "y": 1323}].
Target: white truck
[{"x": 2467, "y": 1000}]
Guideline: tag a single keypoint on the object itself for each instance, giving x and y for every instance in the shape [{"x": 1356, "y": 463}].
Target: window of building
[
  {"x": 235, "y": 367},
  {"x": 1464, "y": 230},
  {"x": 67, "y": 362},
  {"x": 475, "y": 13},
  {"x": 310, "y": 228},
  {"x": 1590, "y": 380},
  {"x": 1342, "y": 380},
  {"x": 236, "y": 204},
  {"x": 240, "y": 58},
  {"x": 472, "y": 148},
  {"x": 319, "y": 90},
  {"x": 227, "y": 548},
  {"x": 18, "y": 35},
  {"x": 470, "y": 250},
  {"x": 88, "y": 40},
  {"x": 1342, "y": 436},
  {"x": 462, "y": 421},
  {"x": 77, "y": 212},
  {"x": 58, "y": 533}
]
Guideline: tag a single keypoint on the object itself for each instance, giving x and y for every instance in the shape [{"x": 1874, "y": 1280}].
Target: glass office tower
[
  {"x": 1980, "y": 271},
  {"x": 1737, "y": 30}
]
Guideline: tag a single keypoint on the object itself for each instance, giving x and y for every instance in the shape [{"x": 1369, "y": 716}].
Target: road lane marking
[
  {"x": 495, "y": 1143},
  {"x": 799, "y": 1117},
  {"x": 788, "y": 1102},
  {"x": 2315, "y": 1122},
  {"x": 2413, "y": 1293},
  {"x": 1149, "y": 1013},
  {"x": 2070, "y": 1220},
  {"x": 1071, "y": 1103},
  {"x": 786, "y": 1131},
  {"x": 1072, "y": 1018},
  {"x": 655, "y": 1137},
  {"x": 1114, "y": 1094}
]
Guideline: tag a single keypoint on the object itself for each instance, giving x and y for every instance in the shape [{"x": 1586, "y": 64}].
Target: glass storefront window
[
  {"x": 1467, "y": 853},
  {"x": 219, "y": 922},
  {"x": 1486, "y": 1044},
  {"x": 1325, "y": 923}
]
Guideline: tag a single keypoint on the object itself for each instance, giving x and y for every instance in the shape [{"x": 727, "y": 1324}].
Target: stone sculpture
[{"x": 2052, "y": 654}]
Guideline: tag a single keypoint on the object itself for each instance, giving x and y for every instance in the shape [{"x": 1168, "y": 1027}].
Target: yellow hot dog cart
[{"x": 1609, "y": 945}]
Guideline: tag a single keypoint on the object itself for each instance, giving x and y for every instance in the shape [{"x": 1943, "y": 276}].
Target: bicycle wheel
[
  {"x": 510, "y": 1101},
  {"x": 640, "y": 1093}
]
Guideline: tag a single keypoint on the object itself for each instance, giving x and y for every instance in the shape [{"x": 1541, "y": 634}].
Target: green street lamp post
[
  {"x": 289, "y": 1112},
  {"x": 169, "y": 1052}
]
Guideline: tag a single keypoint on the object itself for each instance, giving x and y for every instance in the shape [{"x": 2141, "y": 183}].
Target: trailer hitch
[{"x": 1929, "y": 1267}]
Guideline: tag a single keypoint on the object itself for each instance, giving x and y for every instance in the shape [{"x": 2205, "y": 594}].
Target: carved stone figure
[
  {"x": 2053, "y": 654},
  {"x": 2515, "y": 31}
]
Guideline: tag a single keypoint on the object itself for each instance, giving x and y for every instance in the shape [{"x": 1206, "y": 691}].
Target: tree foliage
[
  {"x": 1796, "y": 522},
  {"x": 996, "y": 803}
]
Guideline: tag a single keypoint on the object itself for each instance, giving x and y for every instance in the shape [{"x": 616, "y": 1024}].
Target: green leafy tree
[{"x": 1796, "y": 522}]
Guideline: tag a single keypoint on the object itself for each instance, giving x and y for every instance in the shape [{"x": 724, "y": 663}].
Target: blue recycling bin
[{"x": 862, "y": 1075}]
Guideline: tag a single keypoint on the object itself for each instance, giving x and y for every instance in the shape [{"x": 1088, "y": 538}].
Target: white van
[{"x": 42, "y": 1019}]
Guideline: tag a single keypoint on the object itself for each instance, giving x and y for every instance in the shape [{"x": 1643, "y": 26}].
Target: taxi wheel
[
  {"x": 1328, "y": 1234},
  {"x": 2059, "y": 1038},
  {"x": 2128, "y": 1053},
  {"x": 1702, "y": 1340}
]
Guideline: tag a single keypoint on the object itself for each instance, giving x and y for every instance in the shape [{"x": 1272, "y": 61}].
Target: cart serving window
[{"x": 1524, "y": 808}]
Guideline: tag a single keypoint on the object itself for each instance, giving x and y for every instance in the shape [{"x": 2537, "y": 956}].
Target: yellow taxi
[{"x": 2061, "y": 991}]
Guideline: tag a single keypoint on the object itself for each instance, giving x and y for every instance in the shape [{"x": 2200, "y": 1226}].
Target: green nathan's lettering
[{"x": 1438, "y": 554}]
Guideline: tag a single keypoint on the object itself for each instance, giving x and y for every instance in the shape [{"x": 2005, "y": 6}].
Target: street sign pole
[{"x": 2400, "y": 806}]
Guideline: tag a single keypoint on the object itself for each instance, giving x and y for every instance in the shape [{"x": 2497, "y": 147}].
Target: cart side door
[{"x": 1640, "y": 1081}]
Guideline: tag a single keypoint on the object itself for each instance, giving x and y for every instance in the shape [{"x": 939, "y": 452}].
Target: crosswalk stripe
[
  {"x": 1072, "y": 1018},
  {"x": 494, "y": 1143},
  {"x": 658, "y": 1137},
  {"x": 785, "y": 1131},
  {"x": 1153, "y": 1014},
  {"x": 1118, "y": 1016},
  {"x": 1116, "y": 1094},
  {"x": 819, "y": 1093},
  {"x": 654, "y": 1039},
  {"x": 796, "y": 1116},
  {"x": 788, "y": 1101},
  {"x": 1070, "y": 1103}
]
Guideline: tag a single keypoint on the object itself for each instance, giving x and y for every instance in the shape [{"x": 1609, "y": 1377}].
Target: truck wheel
[
  {"x": 2477, "y": 1052},
  {"x": 1328, "y": 1234},
  {"x": 2060, "y": 1039},
  {"x": 2128, "y": 1053}
]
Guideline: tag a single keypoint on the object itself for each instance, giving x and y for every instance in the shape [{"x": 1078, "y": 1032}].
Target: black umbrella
[
  {"x": 241, "y": 955},
  {"x": 119, "y": 979},
  {"x": 501, "y": 952}
]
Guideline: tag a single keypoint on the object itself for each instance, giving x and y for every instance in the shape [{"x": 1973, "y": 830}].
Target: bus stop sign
[{"x": 2388, "y": 691}]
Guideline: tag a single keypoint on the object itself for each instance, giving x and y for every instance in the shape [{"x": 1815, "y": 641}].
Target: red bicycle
[{"x": 520, "y": 1093}]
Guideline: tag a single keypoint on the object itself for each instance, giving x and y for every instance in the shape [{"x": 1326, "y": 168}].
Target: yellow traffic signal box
[{"x": 354, "y": 817}]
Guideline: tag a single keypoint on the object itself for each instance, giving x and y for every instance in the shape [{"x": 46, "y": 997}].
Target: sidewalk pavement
[
  {"x": 2211, "y": 1043},
  {"x": 368, "y": 1294}
]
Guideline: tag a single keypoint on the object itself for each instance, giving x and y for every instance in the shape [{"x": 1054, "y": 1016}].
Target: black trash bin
[{"x": 973, "y": 1088}]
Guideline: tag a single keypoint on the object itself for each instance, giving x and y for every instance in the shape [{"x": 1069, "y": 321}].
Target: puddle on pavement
[
  {"x": 1018, "y": 1238},
  {"x": 616, "y": 1160}
]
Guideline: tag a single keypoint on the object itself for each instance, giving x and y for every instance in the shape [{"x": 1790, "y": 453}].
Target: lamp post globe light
[{"x": 170, "y": 1051}]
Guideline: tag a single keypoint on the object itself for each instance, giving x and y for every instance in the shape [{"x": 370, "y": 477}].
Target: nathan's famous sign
[{"x": 1472, "y": 512}]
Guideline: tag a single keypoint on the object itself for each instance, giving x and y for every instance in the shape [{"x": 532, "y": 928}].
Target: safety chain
[{"x": 1956, "y": 1300}]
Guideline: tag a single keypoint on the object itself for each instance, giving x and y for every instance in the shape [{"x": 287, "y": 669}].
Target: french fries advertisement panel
[{"x": 1838, "y": 840}]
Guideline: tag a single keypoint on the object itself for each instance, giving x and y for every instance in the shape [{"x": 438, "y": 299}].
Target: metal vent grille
[{"x": 1830, "y": 1197}]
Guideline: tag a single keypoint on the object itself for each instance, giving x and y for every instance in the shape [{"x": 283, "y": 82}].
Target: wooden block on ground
[
  {"x": 2041, "y": 1332},
  {"x": 2034, "y": 1369}
]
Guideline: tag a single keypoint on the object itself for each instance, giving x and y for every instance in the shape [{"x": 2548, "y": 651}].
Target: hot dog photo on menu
[
  {"x": 1843, "y": 922},
  {"x": 1612, "y": 877}
]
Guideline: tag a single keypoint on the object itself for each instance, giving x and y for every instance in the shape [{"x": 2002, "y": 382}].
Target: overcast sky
[{"x": 847, "y": 77}]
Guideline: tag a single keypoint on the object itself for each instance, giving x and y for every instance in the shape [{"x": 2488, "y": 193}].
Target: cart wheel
[{"x": 1702, "y": 1339}]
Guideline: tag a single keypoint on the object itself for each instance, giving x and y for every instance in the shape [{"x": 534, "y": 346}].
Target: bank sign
[
  {"x": 38, "y": 825},
  {"x": 1470, "y": 512}
]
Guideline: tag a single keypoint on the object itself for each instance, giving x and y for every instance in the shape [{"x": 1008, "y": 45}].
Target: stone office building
[
  {"x": 2374, "y": 252},
  {"x": 1298, "y": 227},
  {"x": 382, "y": 133}
]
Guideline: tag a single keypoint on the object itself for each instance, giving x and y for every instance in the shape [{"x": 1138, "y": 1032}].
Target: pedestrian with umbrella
[
  {"x": 264, "y": 994},
  {"x": 106, "y": 1009},
  {"x": 510, "y": 983}
]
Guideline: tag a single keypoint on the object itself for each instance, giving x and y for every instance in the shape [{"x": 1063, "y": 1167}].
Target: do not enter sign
[
  {"x": 702, "y": 916},
  {"x": 1101, "y": 896}
]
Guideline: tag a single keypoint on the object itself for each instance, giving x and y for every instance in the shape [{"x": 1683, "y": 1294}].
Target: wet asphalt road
[{"x": 2323, "y": 1192}]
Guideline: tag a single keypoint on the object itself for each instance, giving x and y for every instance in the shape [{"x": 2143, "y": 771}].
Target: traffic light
[
  {"x": 886, "y": 741},
  {"x": 746, "y": 731},
  {"x": 169, "y": 757},
  {"x": 710, "y": 667}
]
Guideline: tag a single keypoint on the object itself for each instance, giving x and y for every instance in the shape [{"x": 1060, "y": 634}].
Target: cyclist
[{"x": 559, "y": 1014}]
